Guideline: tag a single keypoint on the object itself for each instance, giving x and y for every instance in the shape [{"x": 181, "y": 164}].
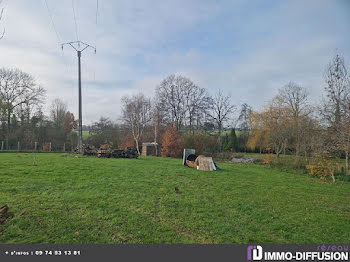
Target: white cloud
[{"x": 250, "y": 51}]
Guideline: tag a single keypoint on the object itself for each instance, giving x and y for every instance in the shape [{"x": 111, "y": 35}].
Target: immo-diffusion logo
[
  {"x": 341, "y": 253},
  {"x": 254, "y": 252}
]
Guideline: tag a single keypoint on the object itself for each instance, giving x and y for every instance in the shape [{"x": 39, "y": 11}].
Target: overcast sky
[{"x": 247, "y": 48}]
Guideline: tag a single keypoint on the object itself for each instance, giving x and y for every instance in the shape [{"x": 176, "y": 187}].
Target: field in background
[
  {"x": 287, "y": 163},
  {"x": 65, "y": 199},
  {"x": 86, "y": 134}
]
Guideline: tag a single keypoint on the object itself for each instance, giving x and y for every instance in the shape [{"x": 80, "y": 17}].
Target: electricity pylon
[{"x": 79, "y": 47}]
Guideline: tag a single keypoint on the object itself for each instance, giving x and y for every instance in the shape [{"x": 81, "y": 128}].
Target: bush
[
  {"x": 46, "y": 147},
  {"x": 341, "y": 176},
  {"x": 188, "y": 140},
  {"x": 172, "y": 143},
  {"x": 201, "y": 142},
  {"x": 103, "y": 137},
  {"x": 230, "y": 142},
  {"x": 128, "y": 141},
  {"x": 269, "y": 159},
  {"x": 237, "y": 155},
  {"x": 323, "y": 166}
]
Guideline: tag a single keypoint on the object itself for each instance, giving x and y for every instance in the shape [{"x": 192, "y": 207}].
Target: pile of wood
[
  {"x": 128, "y": 152},
  {"x": 107, "y": 152},
  {"x": 89, "y": 150},
  {"x": 3, "y": 210}
]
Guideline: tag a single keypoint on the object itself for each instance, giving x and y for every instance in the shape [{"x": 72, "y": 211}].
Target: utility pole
[{"x": 79, "y": 47}]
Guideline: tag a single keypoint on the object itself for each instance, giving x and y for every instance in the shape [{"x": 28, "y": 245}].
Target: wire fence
[{"x": 38, "y": 147}]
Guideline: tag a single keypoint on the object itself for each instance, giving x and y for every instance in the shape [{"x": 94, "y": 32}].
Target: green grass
[
  {"x": 86, "y": 134},
  {"x": 134, "y": 201},
  {"x": 226, "y": 132}
]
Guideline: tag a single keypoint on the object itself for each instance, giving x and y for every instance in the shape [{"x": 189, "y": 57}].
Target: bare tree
[
  {"x": 195, "y": 98},
  {"x": 157, "y": 121},
  {"x": 337, "y": 89},
  {"x": 221, "y": 110},
  {"x": 295, "y": 99},
  {"x": 339, "y": 136},
  {"x": 136, "y": 115},
  {"x": 342, "y": 138},
  {"x": 336, "y": 110},
  {"x": 311, "y": 136},
  {"x": 244, "y": 117},
  {"x": 181, "y": 101},
  {"x": 169, "y": 95},
  {"x": 17, "y": 88},
  {"x": 58, "y": 112}
]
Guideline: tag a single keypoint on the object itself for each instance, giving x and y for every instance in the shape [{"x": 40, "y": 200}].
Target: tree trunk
[
  {"x": 297, "y": 151},
  {"x": 8, "y": 128},
  {"x": 219, "y": 138},
  {"x": 155, "y": 138},
  {"x": 333, "y": 178},
  {"x": 137, "y": 146},
  {"x": 347, "y": 161},
  {"x": 279, "y": 150}
]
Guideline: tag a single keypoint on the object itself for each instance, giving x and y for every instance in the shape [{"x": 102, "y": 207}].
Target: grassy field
[
  {"x": 65, "y": 199},
  {"x": 86, "y": 134}
]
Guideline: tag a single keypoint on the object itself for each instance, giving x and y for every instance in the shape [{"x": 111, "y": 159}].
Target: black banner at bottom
[{"x": 155, "y": 253}]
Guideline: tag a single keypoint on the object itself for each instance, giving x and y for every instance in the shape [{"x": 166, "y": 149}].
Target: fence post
[
  {"x": 50, "y": 146},
  {"x": 34, "y": 156},
  {"x": 18, "y": 147},
  {"x": 2, "y": 145},
  {"x": 64, "y": 147}
]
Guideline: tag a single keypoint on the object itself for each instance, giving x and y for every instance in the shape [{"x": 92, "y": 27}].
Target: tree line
[
  {"x": 178, "y": 104},
  {"x": 183, "y": 114},
  {"x": 289, "y": 124},
  {"x": 22, "y": 119}
]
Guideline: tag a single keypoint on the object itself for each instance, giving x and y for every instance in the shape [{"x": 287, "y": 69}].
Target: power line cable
[
  {"x": 96, "y": 32},
  {"x": 96, "y": 10},
  {"x": 75, "y": 21},
  {"x": 59, "y": 38},
  {"x": 1, "y": 18},
  {"x": 52, "y": 23},
  {"x": 56, "y": 32}
]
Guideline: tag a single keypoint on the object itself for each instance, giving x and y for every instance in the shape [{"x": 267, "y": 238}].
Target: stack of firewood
[
  {"x": 103, "y": 153},
  {"x": 107, "y": 152},
  {"x": 89, "y": 150},
  {"x": 117, "y": 153}
]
